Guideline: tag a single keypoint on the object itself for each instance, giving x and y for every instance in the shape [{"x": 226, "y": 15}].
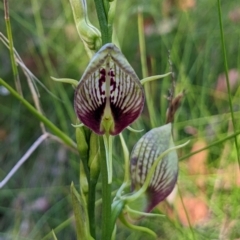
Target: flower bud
[
  {"x": 94, "y": 154},
  {"x": 80, "y": 213},
  {"x": 89, "y": 34},
  {"x": 146, "y": 152}
]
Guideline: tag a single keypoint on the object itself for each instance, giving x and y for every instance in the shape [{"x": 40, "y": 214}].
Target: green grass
[{"x": 45, "y": 37}]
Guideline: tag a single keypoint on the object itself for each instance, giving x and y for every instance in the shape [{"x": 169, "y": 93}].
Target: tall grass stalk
[{"x": 227, "y": 80}]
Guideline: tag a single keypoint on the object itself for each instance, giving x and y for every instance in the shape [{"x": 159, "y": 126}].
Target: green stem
[
  {"x": 142, "y": 46},
  {"x": 11, "y": 49},
  {"x": 67, "y": 140},
  {"x": 227, "y": 78},
  {"x": 106, "y": 195},
  {"x": 91, "y": 207},
  {"x": 103, "y": 21},
  {"x": 234, "y": 135},
  {"x": 186, "y": 213}
]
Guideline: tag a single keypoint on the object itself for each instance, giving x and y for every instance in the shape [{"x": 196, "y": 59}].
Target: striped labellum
[
  {"x": 145, "y": 153},
  {"x": 109, "y": 96}
]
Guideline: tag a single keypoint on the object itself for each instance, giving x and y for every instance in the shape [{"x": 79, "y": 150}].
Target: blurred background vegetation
[{"x": 37, "y": 198}]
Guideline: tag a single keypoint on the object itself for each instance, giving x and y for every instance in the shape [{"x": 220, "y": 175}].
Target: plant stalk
[
  {"x": 102, "y": 14},
  {"x": 227, "y": 79},
  {"x": 66, "y": 139},
  {"x": 11, "y": 48},
  {"x": 106, "y": 195}
]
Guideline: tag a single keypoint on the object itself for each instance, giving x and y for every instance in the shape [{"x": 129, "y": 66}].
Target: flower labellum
[
  {"x": 109, "y": 96},
  {"x": 146, "y": 151}
]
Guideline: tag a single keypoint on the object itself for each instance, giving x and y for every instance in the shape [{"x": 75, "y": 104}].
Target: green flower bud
[
  {"x": 89, "y": 34},
  {"x": 80, "y": 213},
  {"x": 94, "y": 153},
  {"x": 82, "y": 146}
]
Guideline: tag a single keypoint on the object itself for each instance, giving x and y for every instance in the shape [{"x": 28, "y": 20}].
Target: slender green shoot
[
  {"x": 211, "y": 145},
  {"x": 106, "y": 194},
  {"x": 66, "y": 139},
  {"x": 11, "y": 47},
  {"x": 143, "y": 57},
  {"x": 227, "y": 79},
  {"x": 102, "y": 13},
  {"x": 186, "y": 212}
]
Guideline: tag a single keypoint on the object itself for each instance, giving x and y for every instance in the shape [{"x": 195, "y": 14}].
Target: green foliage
[{"x": 38, "y": 199}]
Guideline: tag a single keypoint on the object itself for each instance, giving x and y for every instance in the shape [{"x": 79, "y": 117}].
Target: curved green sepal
[
  {"x": 66, "y": 80},
  {"x": 78, "y": 125},
  {"x": 153, "y": 78},
  {"x": 136, "y": 228},
  {"x": 130, "y": 210},
  {"x": 134, "y": 130}
]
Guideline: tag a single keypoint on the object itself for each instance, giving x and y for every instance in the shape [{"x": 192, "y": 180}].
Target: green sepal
[
  {"x": 153, "y": 78},
  {"x": 66, "y": 80},
  {"x": 135, "y": 227},
  {"x": 81, "y": 215}
]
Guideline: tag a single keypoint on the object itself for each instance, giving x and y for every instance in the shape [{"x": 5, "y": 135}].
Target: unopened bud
[
  {"x": 94, "y": 154},
  {"x": 89, "y": 34}
]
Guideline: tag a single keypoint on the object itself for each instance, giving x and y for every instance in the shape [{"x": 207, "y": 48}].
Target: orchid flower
[
  {"x": 153, "y": 172},
  {"x": 109, "y": 96},
  {"x": 145, "y": 154},
  {"x": 153, "y": 167}
]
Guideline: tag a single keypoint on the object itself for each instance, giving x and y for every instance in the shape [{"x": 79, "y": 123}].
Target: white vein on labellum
[
  {"x": 146, "y": 151},
  {"x": 109, "y": 96}
]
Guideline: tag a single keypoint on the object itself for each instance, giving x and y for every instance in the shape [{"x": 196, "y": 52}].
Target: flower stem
[
  {"x": 11, "y": 48},
  {"x": 143, "y": 56},
  {"x": 67, "y": 140},
  {"x": 106, "y": 195},
  {"x": 91, "y": 207},
  {"x": 102, "y": 13},
  {"x": 227, "y": 80}
]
